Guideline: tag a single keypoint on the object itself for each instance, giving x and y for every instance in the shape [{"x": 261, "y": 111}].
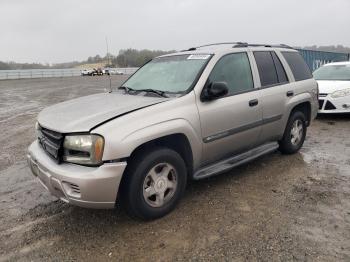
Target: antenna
[{"x": 109, "y": 71}]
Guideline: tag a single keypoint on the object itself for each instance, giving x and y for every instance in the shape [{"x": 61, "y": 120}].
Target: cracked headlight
[
  {"x": 341, "y": 93},
  {"x": 83, "y": 149}
]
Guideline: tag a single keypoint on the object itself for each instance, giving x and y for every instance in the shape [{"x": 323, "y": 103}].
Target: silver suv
[{"x": 187, "y": 115}]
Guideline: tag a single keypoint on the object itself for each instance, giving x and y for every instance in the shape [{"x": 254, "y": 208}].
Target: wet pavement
[{"x": 277, "y": 208}]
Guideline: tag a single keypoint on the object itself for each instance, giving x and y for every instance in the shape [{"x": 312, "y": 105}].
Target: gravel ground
[{"x": 278, "y": 208}]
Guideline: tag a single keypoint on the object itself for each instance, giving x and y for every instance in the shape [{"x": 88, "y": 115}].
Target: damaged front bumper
[{"x": 91, "y": 187}]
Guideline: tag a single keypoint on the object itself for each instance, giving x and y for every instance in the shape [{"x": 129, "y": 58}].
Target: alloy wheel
[
  {"x": 297, "y": 131},
  {"x": 160, "y": 185}
]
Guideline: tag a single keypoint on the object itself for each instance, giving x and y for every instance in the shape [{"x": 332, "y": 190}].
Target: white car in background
[
  {"x": 86, "y": 72},
  {"x": 334, "y": 87},
  {"x": 116, "y": 72}
]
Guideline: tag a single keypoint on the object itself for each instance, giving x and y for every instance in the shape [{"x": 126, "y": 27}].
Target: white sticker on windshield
[{"x": 200, "y": 57}]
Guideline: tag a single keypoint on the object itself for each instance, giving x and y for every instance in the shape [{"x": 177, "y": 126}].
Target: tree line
[
  {"x": 136, "y": 58},
  {"x": 125, "y": 58}
]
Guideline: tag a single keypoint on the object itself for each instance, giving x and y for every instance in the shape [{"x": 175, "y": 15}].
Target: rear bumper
[
  {"x": 91, "y": 187},
  {"x": 334, "y": 105}
]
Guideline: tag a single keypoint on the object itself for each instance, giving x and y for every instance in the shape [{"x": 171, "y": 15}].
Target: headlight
[
  {"x": 83, "y": 149},
  {"x": 341, "y": 93}
]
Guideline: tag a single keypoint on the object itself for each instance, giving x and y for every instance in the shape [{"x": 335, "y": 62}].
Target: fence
[
  {"x": 42, "y": 73},
  {"x": 315, "y": 59}
]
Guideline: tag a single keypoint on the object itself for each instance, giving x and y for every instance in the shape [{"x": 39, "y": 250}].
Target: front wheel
[
  {"x": 294, "y": 134},
  {"x": 155, "y": 182}
]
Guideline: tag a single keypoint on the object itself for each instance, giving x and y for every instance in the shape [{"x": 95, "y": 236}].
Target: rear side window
[
  {"x": 298, "y": 66},
  {"x": 281, "y": 74},
  {"x": 270, "y": 68},
  {"x": 266, "y": 68},
  {"x": 234, "y": 69}
]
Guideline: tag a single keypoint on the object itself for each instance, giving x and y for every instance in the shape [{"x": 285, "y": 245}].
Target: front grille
[
  {"x": 51, "y": 142},
  {"x": 320, "y": 104},
  {"x": 322, "y": 94}
]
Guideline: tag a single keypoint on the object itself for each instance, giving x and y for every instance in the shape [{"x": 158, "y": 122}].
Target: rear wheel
[
  {"x": 294, "y": 134},
  {"x": 154, "y": 183}
]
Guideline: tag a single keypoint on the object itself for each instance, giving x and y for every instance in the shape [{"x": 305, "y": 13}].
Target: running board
[{"x": 229, "y": 163}]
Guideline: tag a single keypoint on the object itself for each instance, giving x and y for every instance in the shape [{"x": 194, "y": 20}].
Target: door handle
[
  {"x": 290, "y": 93},
  {"x": 253, "y": 102}
]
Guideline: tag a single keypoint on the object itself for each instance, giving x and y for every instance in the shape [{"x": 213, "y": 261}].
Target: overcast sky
[{"x": 51, "y": 31}]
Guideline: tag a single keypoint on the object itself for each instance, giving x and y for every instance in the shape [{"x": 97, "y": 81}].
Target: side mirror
[{"x": 214, "y": 91}]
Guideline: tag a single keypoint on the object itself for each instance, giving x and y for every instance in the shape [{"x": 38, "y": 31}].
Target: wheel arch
[
  {"x": 305, "y": 108},
  {"x": 177, "y": 142},
  {"x": 301, "y": 102}
]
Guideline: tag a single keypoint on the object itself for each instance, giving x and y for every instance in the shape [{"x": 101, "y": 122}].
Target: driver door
[{"x": 231, "y": 124}]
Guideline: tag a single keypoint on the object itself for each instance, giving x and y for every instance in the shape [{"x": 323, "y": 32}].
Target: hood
[
  {"x": 84, "y": 113},
  {"x": 330, "y": 86}
]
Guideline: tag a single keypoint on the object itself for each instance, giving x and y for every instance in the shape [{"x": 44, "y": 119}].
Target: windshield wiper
[
  {"x": 147, "y": 90},
  {"x": 127, "y": 89},
  {"x": 155, "y": 91}
]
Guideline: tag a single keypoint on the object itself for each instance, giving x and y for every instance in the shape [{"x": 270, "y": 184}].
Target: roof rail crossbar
[
  {"x": 222, "y": 43},
  {"x": 241, "y": 44},
  {"x": 189, "y": 49},
  {"x": 264, "y": 45},
  {"x": 286, "y": 46}
]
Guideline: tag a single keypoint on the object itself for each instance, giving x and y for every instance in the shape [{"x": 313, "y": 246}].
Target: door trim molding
[{"x": 242, "y": 128}]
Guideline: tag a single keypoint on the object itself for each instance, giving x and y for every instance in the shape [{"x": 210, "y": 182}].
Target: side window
[
  {"x": 281, "y": 74},
  {"x": 234, "y": 69},
  {"x": 266, "y": 68},
  {"x": 298, "y": 66}
]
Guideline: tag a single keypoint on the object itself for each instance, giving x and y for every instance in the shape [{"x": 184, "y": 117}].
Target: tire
[
  {"x": 294, "y": 134},
  {"x": 150, "y": 175}
]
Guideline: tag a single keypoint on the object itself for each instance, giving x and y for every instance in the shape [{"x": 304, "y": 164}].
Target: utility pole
[{"x": 109, "y": 69}]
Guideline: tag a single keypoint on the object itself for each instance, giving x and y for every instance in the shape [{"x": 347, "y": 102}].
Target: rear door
[
  {"x": 275, "y": 88},
  {"x": 230, "y": 124}
]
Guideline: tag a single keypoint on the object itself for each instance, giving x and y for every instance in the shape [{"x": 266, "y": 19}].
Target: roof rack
[
  {"x": 222, "y": 43},
  {"x": 263, "y": 45},
  {"x": 240, "y": 44}
]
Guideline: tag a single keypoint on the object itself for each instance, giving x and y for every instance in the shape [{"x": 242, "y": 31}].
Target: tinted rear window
[
  {"x": 266, "y": 68},
  {"x": 282, "y": 77},
  {"x": 298, "y": 66}
]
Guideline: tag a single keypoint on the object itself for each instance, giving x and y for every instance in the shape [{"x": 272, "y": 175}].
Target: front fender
[{"x": 126, "y": 145}]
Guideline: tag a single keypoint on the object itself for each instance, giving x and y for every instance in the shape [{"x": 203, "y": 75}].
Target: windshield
[
  {"x": 333, "y": 72},
  {"x": 173, "y": 74}
]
